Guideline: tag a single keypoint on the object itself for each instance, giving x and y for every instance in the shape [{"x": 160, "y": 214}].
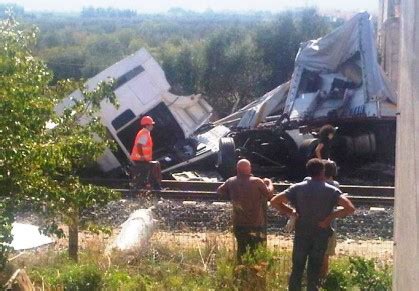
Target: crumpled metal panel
[
  {"x": 349, "y": 50},
  {"x": 256, "y": 112}
]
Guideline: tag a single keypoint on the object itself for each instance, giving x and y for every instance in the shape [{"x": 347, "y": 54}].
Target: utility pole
[{"x": 406, "y": 231}]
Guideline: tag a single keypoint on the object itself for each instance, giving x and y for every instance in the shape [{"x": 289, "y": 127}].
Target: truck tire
[{"x": 226, "y": 162}]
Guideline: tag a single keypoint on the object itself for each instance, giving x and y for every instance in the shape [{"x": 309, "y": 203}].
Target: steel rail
[
  {"x": 214, "y": 197},
  {"x": 353, "y": 190}
]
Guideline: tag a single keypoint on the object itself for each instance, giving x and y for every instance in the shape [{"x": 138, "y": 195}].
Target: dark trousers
[
  {"x": 311, "y": 248},
  {"x": 249, "y": 238},
  {"x": 144, "y": 173}
]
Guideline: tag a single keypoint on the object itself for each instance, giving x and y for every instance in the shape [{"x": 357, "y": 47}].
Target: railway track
[
  {"x": 353, "y": 190},
  {"x": 206, "y": 191},
  {"x": 195, "y": 207}
]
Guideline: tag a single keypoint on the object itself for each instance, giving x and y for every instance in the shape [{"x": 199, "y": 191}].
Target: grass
[{"x": 173, "y": 267}]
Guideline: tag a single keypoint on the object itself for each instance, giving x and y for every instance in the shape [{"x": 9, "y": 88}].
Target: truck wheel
[{"x": 226, "y": 162}]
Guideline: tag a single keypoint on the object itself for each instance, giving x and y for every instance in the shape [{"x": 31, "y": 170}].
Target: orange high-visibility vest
[{"x": 145, "y": 152}]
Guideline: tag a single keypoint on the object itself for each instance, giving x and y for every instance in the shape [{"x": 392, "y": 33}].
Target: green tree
[
  {"x": 17, "y": 9},
  {"x": 181, "y": 63},
  {"x": 103, "y": 51},
  {"x": 65, "y": 62},
  {"x": 75, "y": 142},
  {"x": 23, "y": 113},
  {"x": 107, "y": 12},
  {"x": 278, "y": 41},
  {"x": 233, "y": 70},
  {"x": 40, "y": 163}
]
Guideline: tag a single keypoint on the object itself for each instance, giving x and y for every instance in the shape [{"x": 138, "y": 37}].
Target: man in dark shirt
[
  {"x": 249, "y": 196},
  {"x": 326, "y": 135},
  {"x": 314, "y": 201}
]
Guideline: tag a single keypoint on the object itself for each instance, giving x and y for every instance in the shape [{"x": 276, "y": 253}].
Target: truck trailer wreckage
[{"x": 336, "y": 80}]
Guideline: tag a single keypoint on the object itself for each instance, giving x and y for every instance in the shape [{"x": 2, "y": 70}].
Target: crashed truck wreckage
[
  {"x": 141, "y": 89},
  {"x": 336, "y": 80}
]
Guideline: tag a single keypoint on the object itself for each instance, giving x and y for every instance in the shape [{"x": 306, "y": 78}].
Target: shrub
[
  {"x": 336, "y": 280},
  {"x": 82, "y": 277},
  {"x": 116, "y": 279},
  {"x": 253, "y": 271},
  {"x": 262, "y": 270},
  {"x": 70, "y": 277},
  {"x": 224, "y": 275},
  {"x": 367, "y": 276},
  {"x": 339, "y": 277},
  {"x": 358, "y": 273}
]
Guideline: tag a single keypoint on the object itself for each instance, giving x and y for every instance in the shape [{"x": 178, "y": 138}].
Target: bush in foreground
[
  {"x": 358, "y": 272},
  {"x": 189, "y": 269}
]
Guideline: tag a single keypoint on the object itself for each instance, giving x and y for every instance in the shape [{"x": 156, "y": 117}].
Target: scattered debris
[
  {"x": 204, "y": 176},
  {"x": 377, "y": 209}
]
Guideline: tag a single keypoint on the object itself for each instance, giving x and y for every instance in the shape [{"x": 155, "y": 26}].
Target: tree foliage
[
  {"x": 107, "y": 12},
  {"x": 233, "y": 70},
  {"x": 6, "y": 8},
  {"x": 231, "y": 58},
  {"x": 23, "y": 112},
  {"x": 39, "y": 162}
]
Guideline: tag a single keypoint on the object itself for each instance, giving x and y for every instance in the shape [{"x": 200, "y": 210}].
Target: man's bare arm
[
  {"x": 318, "y": 150},
  {"x": 270, "y": 186},
  {"x": 223, "y": 190},
  {"x": 348, "y": 209},
  {"x": 279, "y": 202}
]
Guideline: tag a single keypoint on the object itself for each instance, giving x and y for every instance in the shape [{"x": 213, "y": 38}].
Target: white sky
[{"x": 197, "y": 5}]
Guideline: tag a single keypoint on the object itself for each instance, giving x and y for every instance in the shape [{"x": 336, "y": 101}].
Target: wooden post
[
  {"x": 406, "y": 231},
  {"x": 73, "y": 237}
]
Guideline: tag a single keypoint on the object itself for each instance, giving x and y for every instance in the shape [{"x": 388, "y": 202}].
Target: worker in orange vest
[{"x": 145, "y": 170}]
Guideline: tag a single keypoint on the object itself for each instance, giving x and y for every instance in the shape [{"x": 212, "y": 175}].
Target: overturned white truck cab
[
  {"x": 336, "y": 80},
  {"x": 141, "y": 89}
]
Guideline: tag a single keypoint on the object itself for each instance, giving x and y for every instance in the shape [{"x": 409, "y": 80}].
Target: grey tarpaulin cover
[{"x": 326, "y": 54}]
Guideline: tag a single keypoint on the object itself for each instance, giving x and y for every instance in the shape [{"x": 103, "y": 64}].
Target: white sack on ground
[{"x": 135, "y": 231}]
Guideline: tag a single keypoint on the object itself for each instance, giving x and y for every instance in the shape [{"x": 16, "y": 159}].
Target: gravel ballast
[{"x": 365, "y": 223}]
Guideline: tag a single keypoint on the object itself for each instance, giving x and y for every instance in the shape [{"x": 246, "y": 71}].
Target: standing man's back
[
  {"x": 249, "y": 196},
  {"x": 314, "y": 201}
]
